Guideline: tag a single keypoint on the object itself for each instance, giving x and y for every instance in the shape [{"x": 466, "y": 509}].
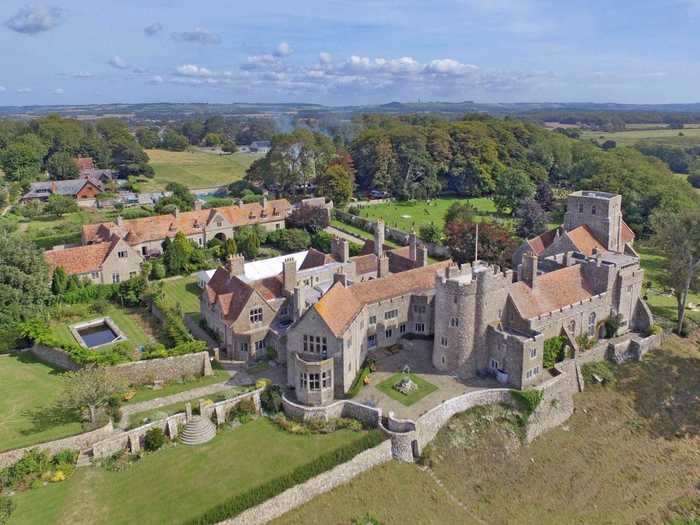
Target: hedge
[
  {"x": 49, "y": 241},
  {"x": 359, "y": 382},
  {"x": 272, "y": 488}
]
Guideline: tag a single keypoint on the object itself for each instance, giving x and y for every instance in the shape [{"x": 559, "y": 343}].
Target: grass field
[
  {"x": 185, "y": 292},
  {"x": 177, "y": 483},
  {"x": 414, "y": 214},
  {"x": 629, "y": 454},
  {"x": 195, "y": 169},
  {"x": 26, "y": 386},
  {"x": 424, "y": 388},
  {"x": 671, "y": 137}
]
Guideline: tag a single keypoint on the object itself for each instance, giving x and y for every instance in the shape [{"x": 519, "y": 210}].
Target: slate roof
[
  {"x": 552, "y": 291},
  {"x": 68, "y": 188},
  {"x": 191, "y": 222}
]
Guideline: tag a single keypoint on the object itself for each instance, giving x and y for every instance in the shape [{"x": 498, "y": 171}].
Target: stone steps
[
  {"x": 84, "y": 458},
  {"x": 197, "y": 431}
]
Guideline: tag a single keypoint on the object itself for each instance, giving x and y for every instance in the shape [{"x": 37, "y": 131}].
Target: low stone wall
[
  {"x": 557, "y": 403},
  {"x": 305, "y": 492},
  {"x": 164, "y": 369},
  {"x": 54, "y": 357},
  {"x": 220, "y": 410},
  {"x": 370, "y": 416},
  {"x": 77, "y": 442},
  {"x": 132, "y": 440}
]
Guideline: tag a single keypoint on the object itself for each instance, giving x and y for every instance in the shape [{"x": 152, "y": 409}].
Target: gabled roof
[
  {"x": 191, "y": 222},
  {"x": 80, "y": 259},
  {"x": 552, "y": 291},
  {"x": 542, "y": 241},
  {"x": 585, "y": 241},
  {"x": 315, "y": 258},
  {"x": 365, "y": 263},
  {"x": 627, "y": 233},
  {"x": 69, "y": 188},
  {"x": 338, "y": 307}
]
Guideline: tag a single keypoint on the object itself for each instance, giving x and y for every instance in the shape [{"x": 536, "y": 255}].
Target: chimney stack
[
  {"x": 264, "y": 200},
  {"x": 412, "y": 245},
  {"x": 422, "y": 256},
  {"x": 177, "y": 212},
  {"x": 53, "y": 186},
  {"x": 383, "y": 266},
  {"x": 120, "y": 221},
  {"x": 235, "y": 265},
  {"x": 341, "y": 277},
  {"x": 340, "y": 248},
  {"x": 198, "y": 205},
  {"x": 379, "y": 238},
  {"x": 289, "y": 274},
  {"x": 528, "y": 270},
  {"x": 299, "y": 303}
]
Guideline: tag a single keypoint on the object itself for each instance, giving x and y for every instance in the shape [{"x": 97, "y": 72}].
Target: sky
[{"x": 343, "y": 52}]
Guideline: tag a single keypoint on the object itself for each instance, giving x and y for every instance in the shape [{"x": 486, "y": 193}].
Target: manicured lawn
[
  {"x": 185, "y": 292},
  {"x": 414, "y": 214},
  {"x": 146, "y": 394},
  {"x": 26, "y": 387},
  {"x": 136, "y": 324},
  {"x": 424, "y": 388},
  {"x": 177, "y": 483},
  {"x": 196, "y": 169}
]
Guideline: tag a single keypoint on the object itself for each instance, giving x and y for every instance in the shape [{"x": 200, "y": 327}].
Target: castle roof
[
  {"x": 585, "y": 241},
  {"x": 542, "y": 241},
  {"x": 161, "y": 226},
  {"x": 552, "y": 291}
]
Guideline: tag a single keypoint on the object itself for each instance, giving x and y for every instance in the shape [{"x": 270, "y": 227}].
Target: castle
[{"x": 480, "y": 319}]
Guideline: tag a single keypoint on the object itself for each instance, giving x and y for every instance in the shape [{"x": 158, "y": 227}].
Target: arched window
[
  {"x": 593, "y": 210},
  {"x": 591, "y": 324},
  {"x": 572, "y": 326}
]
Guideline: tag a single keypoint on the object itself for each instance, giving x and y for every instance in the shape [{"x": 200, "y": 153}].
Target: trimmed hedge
[
  {"x": 272, "y": 488},
  {"x": 358, "y": 383}
]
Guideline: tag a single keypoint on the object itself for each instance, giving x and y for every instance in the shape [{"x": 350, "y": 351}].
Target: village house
[
  {"x": 107, "y": 262},
  {"x": 85, "y": 191},
  {"x": 481, "y": 320},
  {"x": 146, "y": 235}
]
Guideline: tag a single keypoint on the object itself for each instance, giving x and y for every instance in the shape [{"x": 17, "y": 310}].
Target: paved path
[{"x": 343, "y": 235}]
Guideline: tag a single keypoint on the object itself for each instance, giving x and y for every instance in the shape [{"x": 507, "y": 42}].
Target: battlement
[{"x": 567, "y": 308}]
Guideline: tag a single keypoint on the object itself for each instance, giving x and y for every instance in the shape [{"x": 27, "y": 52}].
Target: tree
[
  {"x": 212, "y": 139},
  {"x": 228, "y": 146},
  {"x": 90, "y": 389},
  {"x": 59, "y": 205},
  {"x": 544, "y": 196},
  {"x": 62, "y": 166},
  {"x": 21, "y": 160},
  {"x": 181, "y": 198},
  {"x": 59, "y": 281},
  {"x": 289, "y": 240},
  {"x": 512, "y": 186},
  {"x": 336, "y": 183},
  {"x": 608, "y": 144},
  {"x": 177, "y": 254},
  {"x": 532, "y": 220},
  {"x": 430, "y": 233},
  {"x": 174, "y": 141},
  {"x": 677, "y": 235},
  {"x": 496, "y": 244},
  {"x": 460, "y": 210},
  {"x": 248, "y": 242},
  {"x": 149, "y": 138},
  {"x": 311, "y": 218}
]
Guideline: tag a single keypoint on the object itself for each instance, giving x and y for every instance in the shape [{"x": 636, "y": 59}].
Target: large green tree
[
  {"x": 61, "y": 166},
  {"x": 336, "y": 183}
]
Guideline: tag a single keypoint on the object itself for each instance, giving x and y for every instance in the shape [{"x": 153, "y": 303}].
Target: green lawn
[
  {"x": 414, "y": 214},
  {"x": 195, "y": 169},
  {"x": 667, "y": 136},
  {"x": 47, "y": 231},
  {"x": 424, "y": 388},
  {"x": 145, "y": 394},
  {"x": 185, "y": 292},
  {"x": 178, "y": 483},
  {"x": 26, "y": 387},
  {"x": 136, "y": 323}
]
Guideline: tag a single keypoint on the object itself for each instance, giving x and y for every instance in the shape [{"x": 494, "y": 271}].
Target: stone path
[
  {"x": 454, "y": 498},
  {"x": 343, "y": 235}
]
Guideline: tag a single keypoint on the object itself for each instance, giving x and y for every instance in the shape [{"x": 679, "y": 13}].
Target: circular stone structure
[{"x": 197, "y": 431}]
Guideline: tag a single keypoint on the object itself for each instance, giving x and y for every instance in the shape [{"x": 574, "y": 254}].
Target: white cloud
[
  {"x": 156, "y": 79},
  {"x": 283, "y": 49},
  {"x": 325, "y": 58},
  {"x": 191, "y": 70},
  {"x": 23, "y": 91},
  {"x": 153, "y": 29},
  {"x": 118, "y": 62},
  {"x": 448, "y": 66},
  {"x": 198, "y": 36},
  {"x": 59, "y": 91},
  {"x": 33, "y": 20}
]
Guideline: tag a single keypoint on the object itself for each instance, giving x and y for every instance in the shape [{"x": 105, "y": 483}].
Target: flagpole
[{"x": 476, "y": 244}]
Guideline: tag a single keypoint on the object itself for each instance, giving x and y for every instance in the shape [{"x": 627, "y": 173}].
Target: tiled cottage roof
[
  {"x": 191, "y": 222},
  {"x": 552, "y": 291},
  {"x": 584, "y": 240},
  {"x": 81, "y": 259},
  {"x": 542, "y": 241},
  {"x": 84, "y": 163}
]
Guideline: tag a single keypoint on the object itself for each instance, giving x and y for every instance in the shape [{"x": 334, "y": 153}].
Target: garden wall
[
  {"x": 53, "y": 356},
  {"x": 77, "y": 442},
  {"x": 370, "y": 416}
]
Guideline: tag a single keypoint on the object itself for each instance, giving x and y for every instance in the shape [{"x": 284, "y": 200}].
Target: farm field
[
  {"x": 195, "y": 169},
  {"x": 26, "y": 386},
  {"x": 176, "y": 483},
  {"x": 629, "y": 454},
  {"x": 672, "y": 137},
  {"x": 414, "y": 214}
]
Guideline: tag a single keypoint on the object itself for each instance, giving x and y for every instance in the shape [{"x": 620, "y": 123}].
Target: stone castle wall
[{"x": 343, "y": 408}]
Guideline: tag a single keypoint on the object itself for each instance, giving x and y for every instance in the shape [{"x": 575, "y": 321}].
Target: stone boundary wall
[
  {"x": 76, "y": 442},
  {"x": 221, "y": 409},
  {"x": 305, "y": 492},
  {"x": 136, "y": 372},
  {"x": 370, "y": 416}
]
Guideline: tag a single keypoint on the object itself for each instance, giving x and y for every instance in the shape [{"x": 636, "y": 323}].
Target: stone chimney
[
  {"x": 299, "y": 302},
  {"x": 235, "y": 265},
  {"x": 177, "y": 212},
  {"x": 412, "y": 245},
  {"x": 598, "y": 257},
  {"x": 198, "y": 205},
  {"x": 289, "y": 274},
  {"x": 264, "y": 200},
  {"x": 340, "y": 248},
  {"x": 379, "y": 238},
  {"x": 569, "y": 258},
  {"x": 422, "y": 256},
  {"x": 383, "y": 267},
  {"x": 120, "y": 221},
  {"x": 528, "y": 270},
  {"x": 340, "y": 277}
]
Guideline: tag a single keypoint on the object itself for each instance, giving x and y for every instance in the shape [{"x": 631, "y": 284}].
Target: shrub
[
  {"x": 554, "y": 349},
  {"x": 154, "y": 439},
  {"x": 612, "y": 324},
  {"x": 100, "y": 306},
  {"x": 585, "y": 342},
  {"x": 246, "y": 406},
  {"x": 603, "y": 369},
  {"x": 269, "y": 489},
  {"x": 289, "y": 239},
  {"x": 25, "y": 471},
  {"x": 263, "y": 382},
  {"x": 7, "y": 507},
  {"x": 158, "y": 270},
  {"x": 529, "y": 399},
  {"x": 358, "y": 382},
  {"x": 271, "y": 399},
  {"x": 65, "y": 456},
  {"x": 654, "y": 329},
  {"x": 271, "y": 353}
]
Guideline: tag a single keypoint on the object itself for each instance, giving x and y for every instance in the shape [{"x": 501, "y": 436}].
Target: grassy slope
[
  {"x": 25, "y": 387},
  {"x": 177, "y": 483},
  {"x": 196, "y": 169},
  {"x": 629, "y": 454}
]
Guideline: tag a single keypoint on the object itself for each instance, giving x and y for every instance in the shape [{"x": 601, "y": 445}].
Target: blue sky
[{"x": 349, "y": 52}]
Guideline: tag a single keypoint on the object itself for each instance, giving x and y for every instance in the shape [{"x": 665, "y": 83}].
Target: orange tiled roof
[
  {"x": 627, "y": 233},
  {"x": 552, "y": 291},
  {"x": 365, "y": 263},
  {"x": 542, "y": 241},
  {"x": 584, "y": 240},
  {"x": 340, "y": 308},
  {"x": 191, "y": 222},
  {"x": 81, "y": 259}
]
